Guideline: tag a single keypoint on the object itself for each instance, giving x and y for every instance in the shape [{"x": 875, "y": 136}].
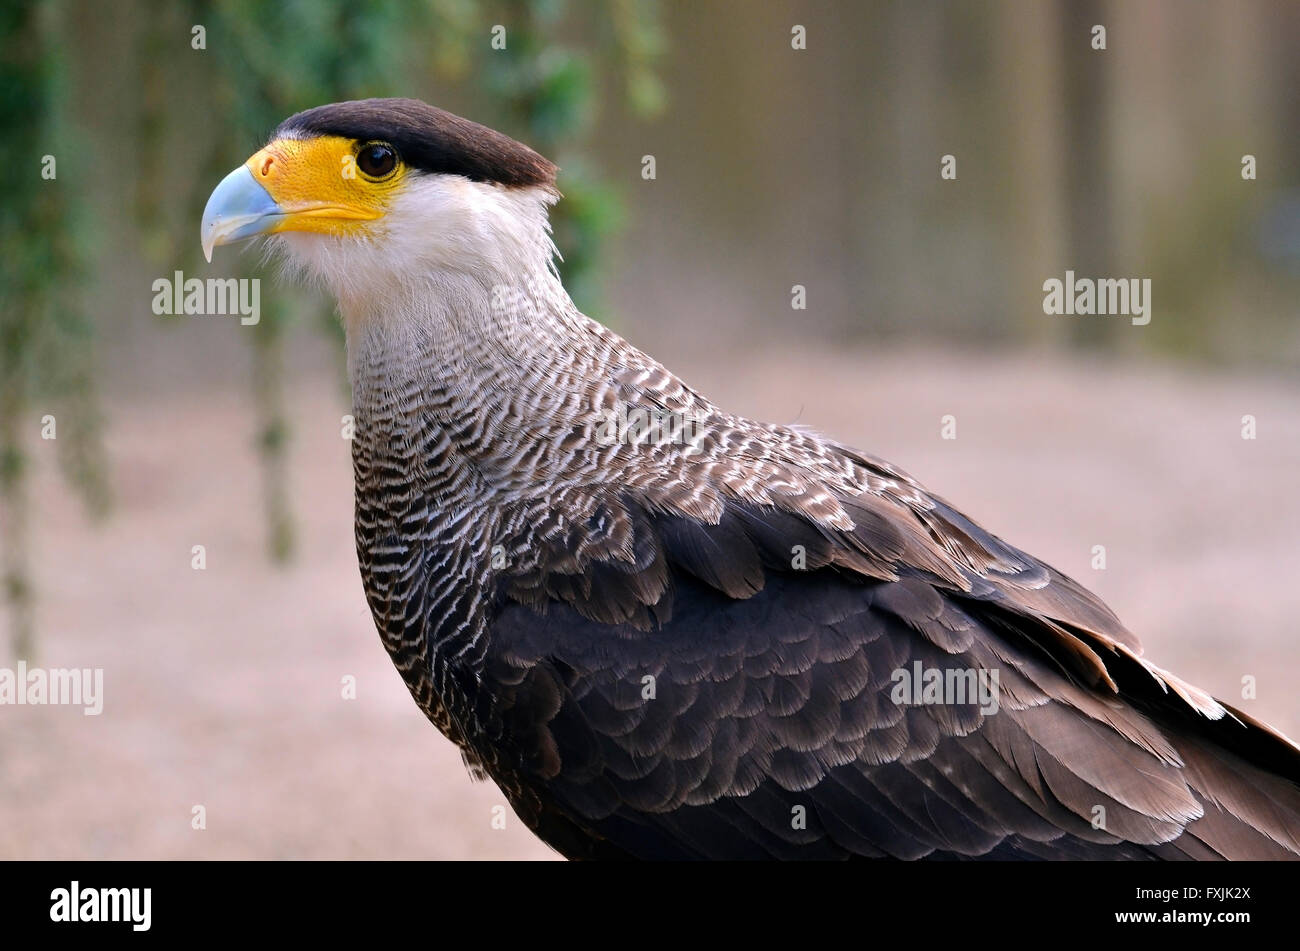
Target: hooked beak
[
  {"x": 291, "y": 185},
  {"x": 238, "y": 208}
]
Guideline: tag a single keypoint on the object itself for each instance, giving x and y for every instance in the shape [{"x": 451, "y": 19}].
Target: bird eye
[{"x": 377, "y": 159}]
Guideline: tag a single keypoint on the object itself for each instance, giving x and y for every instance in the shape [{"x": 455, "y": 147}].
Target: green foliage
[
  {"x": 544, "y": 90},
  {"x": 45, "y": 354}
]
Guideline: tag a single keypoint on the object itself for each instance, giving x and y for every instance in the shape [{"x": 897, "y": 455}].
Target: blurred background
[{"x": 793, "y": 144}]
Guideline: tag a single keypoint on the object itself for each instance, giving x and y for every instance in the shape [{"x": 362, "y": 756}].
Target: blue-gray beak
[{"x": 238, "y": 208}]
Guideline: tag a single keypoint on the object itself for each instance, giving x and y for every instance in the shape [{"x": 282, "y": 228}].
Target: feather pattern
[
  {"x": 712, "y": 637},
  {"x": 770, "y": 585}
]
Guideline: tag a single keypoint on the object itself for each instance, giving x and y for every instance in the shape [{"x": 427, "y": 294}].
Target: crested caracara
[{"x": 666, "y": 631}]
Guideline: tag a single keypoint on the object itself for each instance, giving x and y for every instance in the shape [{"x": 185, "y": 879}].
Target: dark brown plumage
[
  {"x": 691, "y": 648},
  {"x": 430, "y": 139},
  {"x": 527, "y": 616}
]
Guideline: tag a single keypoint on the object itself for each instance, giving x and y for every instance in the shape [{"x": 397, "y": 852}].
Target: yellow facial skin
[
  {"x": 318, "y": 186},
  {"x": 325, "y": 184}
]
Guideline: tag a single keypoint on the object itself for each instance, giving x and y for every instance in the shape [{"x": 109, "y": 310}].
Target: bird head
[{"x": 362, "y": 195}]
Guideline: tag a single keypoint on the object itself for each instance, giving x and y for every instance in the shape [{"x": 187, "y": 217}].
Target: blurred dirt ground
[{"x": 223, "y": 686}]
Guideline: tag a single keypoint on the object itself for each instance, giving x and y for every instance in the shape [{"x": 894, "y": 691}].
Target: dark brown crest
[{"x": 428, "y": 138}]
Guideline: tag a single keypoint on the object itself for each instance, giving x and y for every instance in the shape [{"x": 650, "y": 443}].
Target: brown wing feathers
[{"x": 773, "y": 692}]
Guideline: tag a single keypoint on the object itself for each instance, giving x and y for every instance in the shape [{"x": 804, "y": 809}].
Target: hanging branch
[{"x": 45, "y": 337}]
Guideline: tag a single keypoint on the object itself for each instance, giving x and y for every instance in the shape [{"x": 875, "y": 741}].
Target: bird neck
[
  {"x": 455, "y": 383},
  {"x": 465, "y": 349},
  {"x": 477, "y": 402}
]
